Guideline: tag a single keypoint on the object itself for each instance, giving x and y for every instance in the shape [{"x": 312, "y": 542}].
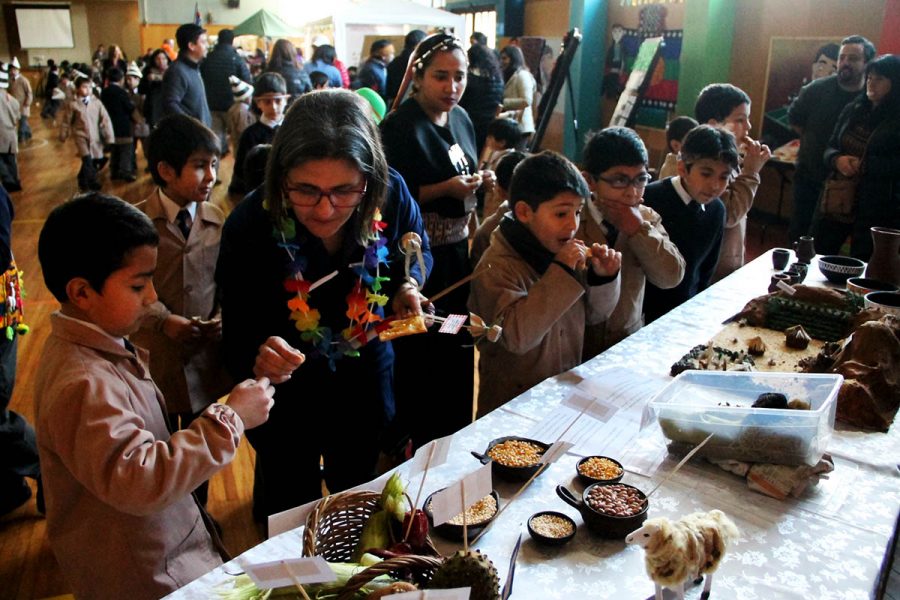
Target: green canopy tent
[{"x": 265, "y": 24}]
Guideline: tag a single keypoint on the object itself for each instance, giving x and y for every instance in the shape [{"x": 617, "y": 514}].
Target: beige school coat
[
  {"x": 543, "y": 319},
  {"x": 120, "y": 517},
  {"x": 648, "y": 255},
  {"x": 190, "y": 375},
  {"x": 9, "y": 124},
  {"x": 89, "y": 126},
  {"x": 20, "y": 88},
  {"x": 738, "y": 199}
]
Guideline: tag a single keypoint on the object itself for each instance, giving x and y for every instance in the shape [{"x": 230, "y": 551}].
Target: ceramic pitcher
[{"x": 884, "y": 265}]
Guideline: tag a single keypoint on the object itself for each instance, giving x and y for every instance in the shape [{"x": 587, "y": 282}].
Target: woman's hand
[
  {"x": 605, "y": 261},
  {"x": 847, "y": 165},
  {"x": 462, "y": 186},
  {"x": 407, "y": 301},
  {"x": 277, "y": 360}
]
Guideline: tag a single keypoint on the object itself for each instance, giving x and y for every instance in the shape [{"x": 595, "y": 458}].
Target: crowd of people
[{"x": 336, "y": 191}]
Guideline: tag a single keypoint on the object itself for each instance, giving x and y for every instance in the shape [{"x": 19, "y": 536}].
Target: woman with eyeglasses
[
  {"x": 615, "y": 167},
  {"x": 430, "y": 140},
  {"x": 309, "y": 261}
]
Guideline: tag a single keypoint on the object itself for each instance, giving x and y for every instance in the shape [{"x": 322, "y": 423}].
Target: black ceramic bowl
[
  {"x": 507, "y": 472},
  {"x": 604, "y": 525},
  {"x": 455, "y": 532},
  {"x": 550, "y": 540},
  {"x": 588, "y": 480},
  {"x": 838, "y": 269}
]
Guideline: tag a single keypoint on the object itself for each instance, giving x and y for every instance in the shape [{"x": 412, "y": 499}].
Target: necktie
[
  {"x": 695, "y": 206},
  {"x": 130, "y": 347},
  {"x": 183, "y": 219}
]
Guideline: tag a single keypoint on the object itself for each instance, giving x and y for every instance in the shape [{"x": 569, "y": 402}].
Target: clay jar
[
  {"x": 773, "y": 286},
  {"x": 884, "y": 264},
  {"x": 805, "y": 249},
  {"x": 780, "y": 258}
]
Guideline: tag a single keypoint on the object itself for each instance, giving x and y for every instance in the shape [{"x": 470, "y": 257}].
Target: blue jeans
[{"x": 18, "y": 447}]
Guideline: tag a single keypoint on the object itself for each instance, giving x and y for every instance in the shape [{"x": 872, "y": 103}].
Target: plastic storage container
[{"x": 698, "y": 403}]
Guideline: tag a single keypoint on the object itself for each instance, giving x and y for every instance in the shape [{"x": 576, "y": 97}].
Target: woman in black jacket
[
  {"x": 865, "y": 145},
  {"x": 151, "y": 86},
  {"x": 283, "y": 60},
  {"x": 484, "y": 91}
]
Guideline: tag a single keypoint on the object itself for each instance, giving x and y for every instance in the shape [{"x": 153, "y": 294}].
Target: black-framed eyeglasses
[
  {"x": 620, "y": 182},
  {"x": 307, "y": 196}
]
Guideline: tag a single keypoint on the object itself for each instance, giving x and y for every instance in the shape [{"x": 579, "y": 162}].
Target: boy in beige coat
[
  {"x": 615, "y": 166},
  {"x": 85, "y": 119},
  {"x": 121, "y": 520},
  {"x": 184, "y": 329},
  {"x": 544, "y": 285},
  {"x": 9, "y": 139},
  {"x": 20, "y": 88}
]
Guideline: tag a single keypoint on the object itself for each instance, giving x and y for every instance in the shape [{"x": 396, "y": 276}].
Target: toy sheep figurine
[{"x": 684, "y": 550}]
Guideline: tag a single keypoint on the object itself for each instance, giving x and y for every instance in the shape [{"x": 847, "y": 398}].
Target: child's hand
[
  {"x": 488, "y": 179},
  {"x": 625, "y": 217},
  {"x": 407, "y": 301},
  {"x": 462, "y": 186},
  {"x": 180, "y": 329},
  {"x": 573, "y": 254},
  {"x": 755, "y": 155},
  {"x": 277, "y": 360},
  {"x": 605, "y": 261},
  {"x": 251, "y": 400},
  {"x": 211, "y": 329}
]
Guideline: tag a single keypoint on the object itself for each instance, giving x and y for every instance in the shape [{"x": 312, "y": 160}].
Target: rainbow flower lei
[{"x": 362, "y": 300}]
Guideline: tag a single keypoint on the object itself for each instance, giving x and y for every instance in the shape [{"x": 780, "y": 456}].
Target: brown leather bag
[{"x": 838, "y": 200}]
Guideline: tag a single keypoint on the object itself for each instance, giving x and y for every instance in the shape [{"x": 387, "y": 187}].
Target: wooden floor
[{"x": 48, "y": 169}]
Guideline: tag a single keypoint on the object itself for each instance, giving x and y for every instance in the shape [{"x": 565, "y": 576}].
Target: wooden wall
[{"x": 757, "y": 21}]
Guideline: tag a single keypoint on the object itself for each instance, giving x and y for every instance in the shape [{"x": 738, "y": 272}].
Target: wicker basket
[{"x": 333, "y": 530}]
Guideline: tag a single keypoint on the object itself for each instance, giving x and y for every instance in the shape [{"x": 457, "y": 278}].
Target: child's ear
[
  {"x": 80, "y": 292},
  {"x": 166, "y": 171},
  {"x": 681, "y": 167},
  {"x": 522, "y": 212},
  {"x": 590, "y": 179}
]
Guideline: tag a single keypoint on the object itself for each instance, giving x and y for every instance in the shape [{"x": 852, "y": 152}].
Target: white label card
[
  {"x": 555, "y": 451},
  {"x": 433, "y": 454},
  {"x": 592, "y": 407},
  {"x": 289, "y": 572},
  {"x": 453, "y": 323},
  {"x": 455, "y": 498},
  {"x": 786, "y": 287},
  {"x": 452, "y": 594}
]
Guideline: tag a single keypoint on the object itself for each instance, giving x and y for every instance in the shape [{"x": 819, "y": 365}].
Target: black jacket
[
  {"x": 297, "y": 80},
  {"x": 223, "y": 62},
  {"x": 120, "y": 108},
  {"x": 878, "y": 190}
]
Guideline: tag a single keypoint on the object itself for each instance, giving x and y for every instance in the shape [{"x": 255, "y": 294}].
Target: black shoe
[
  {"x": 130, "y": 177},
  {"x": 39, "y": 498},
  {"x": 15, "y": 498},
  {"x": 101, "y": 162},
  {"x": 95, "y": 186}
]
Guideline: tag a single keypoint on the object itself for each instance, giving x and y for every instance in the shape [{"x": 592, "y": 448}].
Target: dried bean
[{"x": 619, "y": 500}]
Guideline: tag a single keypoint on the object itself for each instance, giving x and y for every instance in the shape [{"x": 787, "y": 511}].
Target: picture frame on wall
[{"x": 793, "y": 62}]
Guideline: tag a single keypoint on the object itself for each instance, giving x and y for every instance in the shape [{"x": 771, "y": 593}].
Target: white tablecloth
[{"x": 831, "y": 544}]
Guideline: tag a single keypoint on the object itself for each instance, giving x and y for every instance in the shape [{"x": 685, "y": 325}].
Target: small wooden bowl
[
  {"x": 455, "y": 532},
  {"x": 550, "y": 540},
  {"x": 588, "y": 480}
]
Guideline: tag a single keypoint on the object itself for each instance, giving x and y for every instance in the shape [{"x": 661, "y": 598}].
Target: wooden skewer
[
  {"x": 296, "y": 581},
  {"x": 680, "y": 464},
  {"x": 462, "y": 491},
  {"x": 462, "y": 281},
  {"x": 421, "y": 486}
]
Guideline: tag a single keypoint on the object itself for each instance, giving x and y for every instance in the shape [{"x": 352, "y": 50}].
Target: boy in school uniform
[
  {"x": 693, "y": 213},
  {"x": 269, "y": 100},
  {"x": 184, "y": 328},
  {"x": 544, "y": 284},
  {"x": 86, "y": 120},
  {"x": 503, "y": 136},
  {"x": 121, "y": 520},
  {"x": 728, "y": 107},
  {"x": 482, "y": 237},
  {"x": 615, "y": 166},
  {"x": 675, "y": 132},
  {"x": 20, "y": 88},
  {"x": 239, "y": 117},
  {"x": 120, "y": 108}
]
